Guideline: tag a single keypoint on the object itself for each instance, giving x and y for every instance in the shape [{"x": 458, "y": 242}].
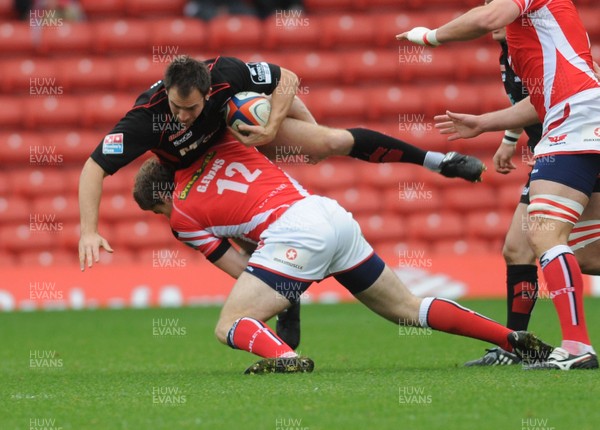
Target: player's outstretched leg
[{"x": 390, "y": 298}]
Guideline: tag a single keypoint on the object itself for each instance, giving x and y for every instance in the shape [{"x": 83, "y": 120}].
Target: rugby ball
[{"x": 247, "y": 108}]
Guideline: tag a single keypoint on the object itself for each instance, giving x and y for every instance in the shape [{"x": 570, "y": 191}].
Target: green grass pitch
[{"x": 128, "y": 369}]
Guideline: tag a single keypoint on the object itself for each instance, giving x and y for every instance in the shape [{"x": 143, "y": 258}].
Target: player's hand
[
  {"x": 253, "y": 135},
  {"x": 458, "y": 125},
  {"x": 503, "y": 158},
  {"x": 89, "y": 249},
  {"x": 421, "y": 36}
]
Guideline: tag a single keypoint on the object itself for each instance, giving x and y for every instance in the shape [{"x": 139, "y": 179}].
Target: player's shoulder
[{"x": 152, "y": 97}]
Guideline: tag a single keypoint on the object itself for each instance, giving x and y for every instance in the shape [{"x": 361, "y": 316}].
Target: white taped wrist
[
  {"x": 423, "y": 36},
  {"x": 510, "y": 138}
]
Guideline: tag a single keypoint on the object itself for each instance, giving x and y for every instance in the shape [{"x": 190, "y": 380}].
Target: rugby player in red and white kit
[
  {"x": 234, "y": 191},
  {"x": 550, "y": 51}
]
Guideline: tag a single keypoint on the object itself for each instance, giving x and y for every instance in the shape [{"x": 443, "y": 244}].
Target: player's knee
[
  {"x": 336, "y": 142},
  {"x": 222, "y": 330},
  {"x": 517, "y": 253}
]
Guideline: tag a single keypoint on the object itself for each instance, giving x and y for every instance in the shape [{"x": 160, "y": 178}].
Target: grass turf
[{"x": 111, "y": 369}]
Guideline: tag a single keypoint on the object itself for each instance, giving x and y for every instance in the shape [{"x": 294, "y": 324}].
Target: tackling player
[
  {"x": 180, "y": 117},
  {"x": 233, "y": 191},
  {"x": 550, "y": 51}
]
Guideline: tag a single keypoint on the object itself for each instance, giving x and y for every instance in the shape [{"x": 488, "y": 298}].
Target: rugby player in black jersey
[{"x": 180, "y": 117}]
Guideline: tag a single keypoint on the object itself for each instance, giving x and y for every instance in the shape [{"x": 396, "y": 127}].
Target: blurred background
[{"x": 70, "y": 70}]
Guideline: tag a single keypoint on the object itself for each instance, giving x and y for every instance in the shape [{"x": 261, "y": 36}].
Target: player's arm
[
  {"x": 90, "y": 193},
  {"x": 465, "y": 126},
  {"x": 282, "y": 99},
  {"x": 471, "y": 25},
  {"x": 233, "y": 262}
]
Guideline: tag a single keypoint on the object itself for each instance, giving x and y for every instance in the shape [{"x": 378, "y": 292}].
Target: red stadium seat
[
  {"x": 509, "y": 195},
  {"x": 53, "y": 111},
  {"x": 123, "y": 36},
  {"x": 410, "y": 197},
  {"x": 370, "y": 66},
  {"x": 462, "y": 247},
  {"x": 353, "y": 30},
  {"x": 384, "y": 176},
  {"x": 358, "y": 200},
  {"x": 235, "y": 32},
  {"x": 494, "y": 97},
  {"x": 137, "y": 73},
  {"x": 118, "y": 207},
  {"x": 173, "y": 254},
  {"x": 337, "y": 103},
  {"x": 143, "y": 234},
  {"x": 28, "y": 76},
  {"x": 404, "y": 104},
  {"x": 390, "y": 24},
  {"x": 17, "y": 147},
  {"x": 176, "y": 36},
  {"x": 47, "y": 258},
  {"x": 29, "y": 235},
  {"x": 19, "y": 38},
  {"x": 436, "y": 226},
  {"x": 464, "y": 198},
  {"x": 38, "y": 181},
  {"x": 14, "y": 208},
  {"x": 424, "y": 65},
  {"x": 377, "y": 228},
  {"x": 104, "y": 8},
  {"x": 86, "y": 73},
  {"x": 69, "y": 38},
  {"x": 394, "y": 250},
  {"x": 75, "y": 146},
  {"x": 13, "y": 112},
  {"x": 478, "y": 63},
  {"x": 454, "y": 97},
  {"x": 318, "y": 6},
  {"x": 66, "y": 208},
  {"x": 488, "y": 224},
  {"x": 105, "y": 110},
  {"x": 155, "y": 8},
  {"x": 329, "y": 175},
  {"x": 291, "y": 31},
  {"x": 316, "y": 68}
]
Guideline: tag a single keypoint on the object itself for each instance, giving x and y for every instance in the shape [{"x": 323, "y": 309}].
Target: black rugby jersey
[
  {"x": 516, "y": 92},
  {"x": 150, "y": 125}
]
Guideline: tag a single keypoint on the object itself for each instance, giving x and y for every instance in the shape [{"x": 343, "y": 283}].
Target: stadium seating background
[{"x": 352, "y": 73}]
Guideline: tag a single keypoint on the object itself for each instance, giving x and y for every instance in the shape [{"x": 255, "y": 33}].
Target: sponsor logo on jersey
[
  {"x": 591, "y": 133},
  {"x": 556, "y": 139},
  {"x": 113, "y": 144},
  {"x": 186, "y": 190},
  {"x": 185, "y": 137},
  {"x": 260, "y": 73}
]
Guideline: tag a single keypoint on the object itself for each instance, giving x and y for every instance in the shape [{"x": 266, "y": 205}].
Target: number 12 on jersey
[{"x": 240, "y": 187}]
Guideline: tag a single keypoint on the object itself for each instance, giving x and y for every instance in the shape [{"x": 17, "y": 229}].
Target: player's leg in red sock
[
  {"x": 450, "y": 317},
  {"x": 256, "y": 337}
]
